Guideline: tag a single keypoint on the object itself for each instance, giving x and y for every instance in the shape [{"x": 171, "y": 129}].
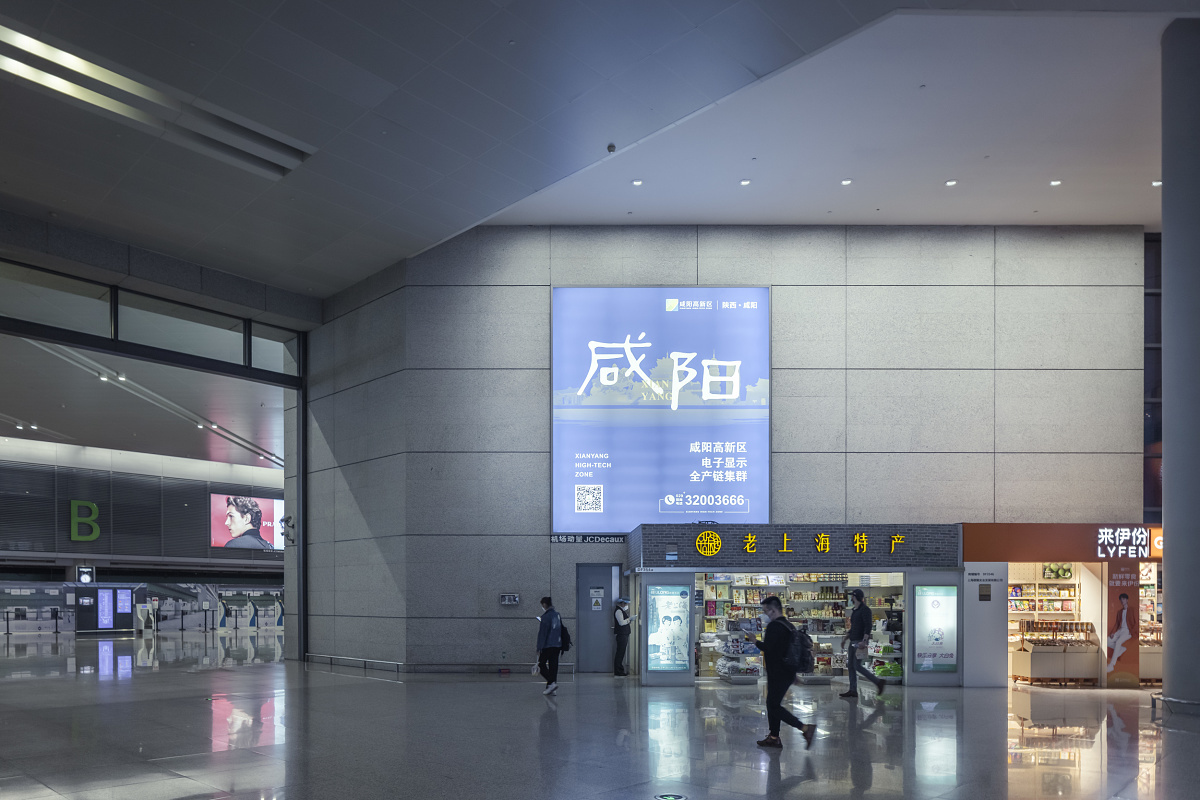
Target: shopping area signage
[
  {"x": 1062, "y": 542},
  {"x": 709, "y": 543},
  {"x": 661, "y": 406}
]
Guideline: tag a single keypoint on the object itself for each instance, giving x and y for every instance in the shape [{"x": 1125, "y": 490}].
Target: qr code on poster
[{"x": 589, "y": 499}]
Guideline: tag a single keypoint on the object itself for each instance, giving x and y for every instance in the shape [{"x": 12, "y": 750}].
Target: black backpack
[
  {"x": 800, "y": 654},
  {"x": 566, "y": 639}
]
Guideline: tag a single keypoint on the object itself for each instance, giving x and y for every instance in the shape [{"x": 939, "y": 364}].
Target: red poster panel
[{"x": 1123, "y": 666}]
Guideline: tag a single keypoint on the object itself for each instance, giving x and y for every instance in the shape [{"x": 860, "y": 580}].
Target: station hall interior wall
[{"x": 920, "y": 374}]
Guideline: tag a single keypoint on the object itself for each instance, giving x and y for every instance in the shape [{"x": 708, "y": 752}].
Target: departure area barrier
[{"x": 400, "y": 667}]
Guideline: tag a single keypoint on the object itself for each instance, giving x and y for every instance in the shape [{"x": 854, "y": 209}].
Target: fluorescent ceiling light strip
[
  {"x": 73, "y": 90},
  {"x": 77, "y": 64}
]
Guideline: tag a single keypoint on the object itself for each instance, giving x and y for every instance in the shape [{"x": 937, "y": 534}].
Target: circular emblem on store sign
[{"x": 708, "y": 543}]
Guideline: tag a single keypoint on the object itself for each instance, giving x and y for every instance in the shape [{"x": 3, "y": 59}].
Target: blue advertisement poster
[
  {"x": 667, "y": 643},
  {"x": 104, "y": 608},
  {"x": 661, "y": 407}
]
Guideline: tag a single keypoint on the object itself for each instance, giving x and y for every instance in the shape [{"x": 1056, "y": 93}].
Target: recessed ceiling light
[
  {"x": 32, "y": 426},
  {"x": 20, "y": 427},
  {"x": 1056, "y": 183},
  {"x": 846, "y": 183},
  {"x": 1156, "y": 183},
  {"x": 198, "y": 425},
  {"x": 103, "y": 377},
  {"x": 745, "y": 182},
  {"x": 637, "y": 181},
  {"x": 120, "y": 376},
  {"x": 214, "y": 427},
  {"x": 951, "y": 183}
]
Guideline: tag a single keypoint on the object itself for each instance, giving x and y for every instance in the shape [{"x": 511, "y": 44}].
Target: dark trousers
[
  {"x": 777, "y": 687},
  {"x": 856, "y": 668},
  {"x": 548, "y": 664},
  {"x": 619, "y": 658}
]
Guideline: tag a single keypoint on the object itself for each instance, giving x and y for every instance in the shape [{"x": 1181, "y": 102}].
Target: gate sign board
[{"x": 660, "y": 406}]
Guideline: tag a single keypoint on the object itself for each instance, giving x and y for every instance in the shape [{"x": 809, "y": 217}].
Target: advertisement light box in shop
[{"x": 661, "y": 406}]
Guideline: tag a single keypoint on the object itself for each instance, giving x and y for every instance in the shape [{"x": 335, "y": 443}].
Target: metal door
[{"x": 593, "y": 639}]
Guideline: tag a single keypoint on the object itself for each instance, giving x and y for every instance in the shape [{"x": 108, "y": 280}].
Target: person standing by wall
[
  {"x": 861, "y": 620},
  {"x": 621, "y": 627},
  {"x": 549, "y": 645},
  {"x": 775, "y": 645}
]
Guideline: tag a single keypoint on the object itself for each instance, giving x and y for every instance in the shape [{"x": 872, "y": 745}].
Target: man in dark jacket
[
  {"x": 861, "y": 620},
  {"x": 775, "y": 644},
  {"x": 549, "y": 645}
]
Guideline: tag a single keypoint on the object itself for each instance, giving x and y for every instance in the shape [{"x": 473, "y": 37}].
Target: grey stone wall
[{"x": 921, "y": 375}]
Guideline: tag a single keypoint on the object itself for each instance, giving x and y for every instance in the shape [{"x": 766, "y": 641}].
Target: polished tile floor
[{"x": 192, "y": 717}]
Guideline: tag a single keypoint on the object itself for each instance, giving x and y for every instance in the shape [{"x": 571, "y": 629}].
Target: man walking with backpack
[
  {"x": 857, "y": 637},
  {"x": 550, "y": 642},
  {"x": 783, "y": 657}
]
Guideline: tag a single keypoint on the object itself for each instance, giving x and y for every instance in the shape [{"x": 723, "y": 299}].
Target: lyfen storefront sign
[
  {"x": 1061, "y": 542},
  {"x": 660, "y": 401}
]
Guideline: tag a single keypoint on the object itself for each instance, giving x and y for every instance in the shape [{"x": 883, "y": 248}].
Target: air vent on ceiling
[{"x": 195, "y": 124}]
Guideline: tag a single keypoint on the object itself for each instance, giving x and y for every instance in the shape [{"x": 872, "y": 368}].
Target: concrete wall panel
[
  {"x": 919, "y": 487},
  {"x": 808, "y": 487},
  {"x": 477, "y": 327},
  {"x": 1040, "y": 487},
  {"x": 1064, "y": 411},
  {"x": 903, "y": 411},
  {"x": 920, "y": 255},
  {"x": 740, "y": 255},
  {"x": 1069, "y": 327},
  {"x": 1070, "y": 256},
  {"x": 496, "y": 256},
  {"x": 808, "y": 327},
  {"x": 920, "y": 327},
  {"x": 808, "y": 410}
]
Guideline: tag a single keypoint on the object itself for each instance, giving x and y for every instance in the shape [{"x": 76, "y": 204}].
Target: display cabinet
[{"x": 1055, "y": 652}]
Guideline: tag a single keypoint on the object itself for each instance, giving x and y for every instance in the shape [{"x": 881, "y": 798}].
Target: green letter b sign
[{"x": 78, "y": 519}]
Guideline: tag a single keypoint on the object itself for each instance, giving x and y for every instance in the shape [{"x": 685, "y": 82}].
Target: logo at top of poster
[
  {"x": 936, "y": 604},
  {"x": 708, "y": 543},
  {"x": 936, "y": 635}
]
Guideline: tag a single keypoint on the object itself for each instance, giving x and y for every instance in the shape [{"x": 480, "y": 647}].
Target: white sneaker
[{"x": 552, "y": 688}]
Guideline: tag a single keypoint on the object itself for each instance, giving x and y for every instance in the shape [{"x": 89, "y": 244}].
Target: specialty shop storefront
[
  {"x": 697, "y": 590},
  {"x": 1062, "y": 604}
]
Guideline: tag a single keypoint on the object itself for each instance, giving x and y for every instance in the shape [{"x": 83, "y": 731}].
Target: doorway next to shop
[{"x": 596, "y": 588}]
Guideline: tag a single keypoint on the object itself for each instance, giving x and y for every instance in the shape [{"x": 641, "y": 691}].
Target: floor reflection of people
[{"x": 861, "y": 770}]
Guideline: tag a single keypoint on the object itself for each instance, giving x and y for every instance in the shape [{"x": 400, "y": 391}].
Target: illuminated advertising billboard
[
  {"x": 245, "y": 523},
  {"x": 661, "y": 407},
  {"x": 668, "y": 640},
  {"x": 934, "y": 634}
]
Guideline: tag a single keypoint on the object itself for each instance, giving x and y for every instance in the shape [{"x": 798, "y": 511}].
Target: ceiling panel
[
  {"x": 425, "y": 119},
  {"x": 464, "y": 103},
  {"x": 461, "y": 16},
  {"x": 495, "y": 79},
  {"x": 352, "y": 40},
  {"x": 118, "y": 46},
  {"x": 594, "y": 37},
  {"x": 748, "y": 35},
  {"x": 401, "y": 23},
  {"x": 434, "y": 123},
  {"x": 513, "y": 41},
  {"x": 62, "y": 397},
  {"x": 695, "y": 59},
  {"x": 407, "y": 143},
  {"x": 812, "y": 25},
  {"x": 316, "y": 64}
]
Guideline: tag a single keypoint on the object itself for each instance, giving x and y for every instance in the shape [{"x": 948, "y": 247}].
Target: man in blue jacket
[{"x": 549, "y": 644}]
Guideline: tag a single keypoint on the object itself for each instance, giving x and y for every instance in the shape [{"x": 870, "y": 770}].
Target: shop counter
[{"x": 1150, "y": 662}]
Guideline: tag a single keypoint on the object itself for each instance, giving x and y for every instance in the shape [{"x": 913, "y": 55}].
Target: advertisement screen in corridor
[{"x": 661, "y": 407}]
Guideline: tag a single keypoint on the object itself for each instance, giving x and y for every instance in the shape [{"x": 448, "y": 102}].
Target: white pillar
[{"x": 1181, "y": 362}]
